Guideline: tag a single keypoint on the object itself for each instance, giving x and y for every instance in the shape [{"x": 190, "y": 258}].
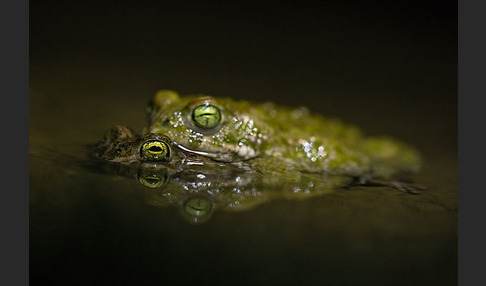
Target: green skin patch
[
  {"x": 231, "y": 131},
  {"x": 277, "y": 141}
]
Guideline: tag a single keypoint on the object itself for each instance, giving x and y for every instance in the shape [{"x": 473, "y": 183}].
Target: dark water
[{"x": 390, "y": 69}]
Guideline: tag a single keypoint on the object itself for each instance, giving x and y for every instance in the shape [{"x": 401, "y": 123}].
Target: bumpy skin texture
[
  {"x": 277, "y": 138},
  {"x": 203, "y": 154}
]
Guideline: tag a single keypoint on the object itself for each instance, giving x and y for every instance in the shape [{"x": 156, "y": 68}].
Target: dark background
[
  {"x": 342, "y": 59},
  {"x": 389, "y": 67}
]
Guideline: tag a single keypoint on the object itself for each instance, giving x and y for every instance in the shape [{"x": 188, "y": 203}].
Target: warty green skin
[
  {"x": 277, "y": 138},
  {"x": 289, "y": 161}
]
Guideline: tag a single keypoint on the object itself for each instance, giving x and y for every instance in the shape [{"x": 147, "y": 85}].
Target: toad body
[
  {"x": 275, "y": 139},
  {"x": 203, "y": 153}
]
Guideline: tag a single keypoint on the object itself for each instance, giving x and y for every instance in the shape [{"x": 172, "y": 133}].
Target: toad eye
[
  {"x": 155, "y": 150},
  {"x": 206, "y": 116}
]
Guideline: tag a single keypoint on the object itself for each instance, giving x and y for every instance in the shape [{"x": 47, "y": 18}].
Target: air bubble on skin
[
  {"x": 312, "y": 153},
  {"x": 178, "y": 122},
  {"x": 306, "y": 146},
  {"x": 238, "y": 124},
  {"x": 246, "y": 151}
]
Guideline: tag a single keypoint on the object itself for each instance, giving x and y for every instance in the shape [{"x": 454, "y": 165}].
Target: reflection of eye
[
  {"x": 152, "y": 180},
  {"x": 155, "y": 151},
  {"x": 206, "y": 116},
  {"x": 197, "y": 207}
]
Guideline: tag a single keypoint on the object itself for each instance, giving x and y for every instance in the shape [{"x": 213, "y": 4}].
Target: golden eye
[
  {"x": 206, "y": 116},
  {"x": 155, "y": 151}
]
